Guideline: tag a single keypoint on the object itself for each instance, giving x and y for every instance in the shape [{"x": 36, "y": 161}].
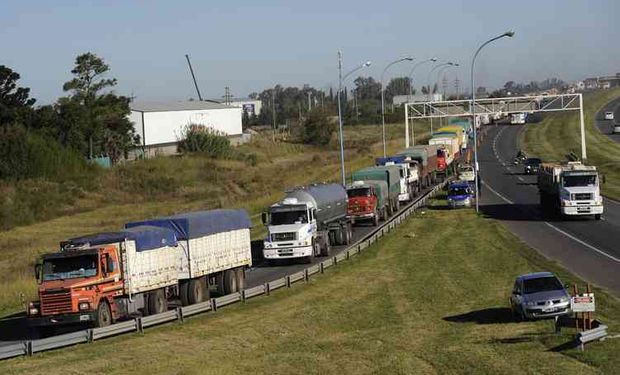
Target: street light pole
[
  {"x": 383, "y": 97},
  {"x": 428, "y": 79},
  {"x": 340, "y": 133},
  {"x": 439, "y": 72},
  {"x": 411, "y": 73},
  {"x": 473, "y": 110}
]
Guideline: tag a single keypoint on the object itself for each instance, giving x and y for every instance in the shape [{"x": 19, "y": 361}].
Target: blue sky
[{"x": 250, "y": 45}]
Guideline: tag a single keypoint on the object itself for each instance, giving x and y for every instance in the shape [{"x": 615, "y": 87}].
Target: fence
[{"x": 30, "y": 347}]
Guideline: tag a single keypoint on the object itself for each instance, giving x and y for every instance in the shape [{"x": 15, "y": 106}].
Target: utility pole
[
  {"x": 309, "y": 101},
  {"x": 273, "y": 112},
  {"x": 193, "y": 77},
  {"x": 357, "y": 113},
  {"x": 444, "y": 83},
  {"x": 456, "y": 86},
  {"x": 227, "y": 96}
]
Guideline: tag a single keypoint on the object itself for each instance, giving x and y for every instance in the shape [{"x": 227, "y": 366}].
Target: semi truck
[
  {"x": 104, "y": 277},
  {"x": 409, "y": 176},
  {"x": 307, "y": 222},
  {"x": 570, "y": 189},
  {"x": 426, "y": 156},
  {"x": 390, "y": 174},
  {"x": 367, "y": 201}
]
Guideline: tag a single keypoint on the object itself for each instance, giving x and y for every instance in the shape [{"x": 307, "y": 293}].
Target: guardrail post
[
  {"x": 179, "y": 314},
  {"x": 213, "y": 305},
  {"x": 335, "y": 261},
  {"x": 288, "y": 281},
  {"x": 90, "y": 336},
  {"x": 243, "y": 295},
  {"x": 139, "y": 327},
  {"x": 29, "y": 348},
  {"x": 267, "y": 291},
  {"x": 557, "y": 325},
  {"x": 321, "y": 268},
  {"x": 306, "y": 275},
  {"x": 348, "y": 255}
]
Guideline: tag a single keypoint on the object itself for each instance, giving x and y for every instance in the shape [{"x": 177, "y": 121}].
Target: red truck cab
[
  {"x": 77, "y": 285},
  {"x": 362, "y": 203}
]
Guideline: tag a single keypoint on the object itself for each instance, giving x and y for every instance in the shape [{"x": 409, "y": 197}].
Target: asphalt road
[
  {"x": 15, "y": 328},
  {"x": 606, "y": 126},
  {"x": 587, "y": 247}
]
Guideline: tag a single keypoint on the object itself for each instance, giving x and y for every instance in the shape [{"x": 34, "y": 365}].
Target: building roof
[
  {"x": 175, "y": 106},
  {"x": 235, "y": 100}
]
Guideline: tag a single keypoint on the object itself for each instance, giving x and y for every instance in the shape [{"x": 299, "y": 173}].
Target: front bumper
[
  {"x": 539, "y": 312},
  {"x": 360, "y": 217},
  {"x": 456, "y": 204},
  {"x": 287, "y": 252},
  {"x": 582, "y": 210},
  {"x": 62, "y": 319}
]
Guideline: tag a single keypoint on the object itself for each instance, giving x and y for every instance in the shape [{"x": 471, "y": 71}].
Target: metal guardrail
[
  {"x": 597, "y": 333},
  {"x": 30, "y": 347}
]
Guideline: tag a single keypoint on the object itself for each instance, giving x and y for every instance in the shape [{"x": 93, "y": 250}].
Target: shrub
[{"x": 204, "y": 140}]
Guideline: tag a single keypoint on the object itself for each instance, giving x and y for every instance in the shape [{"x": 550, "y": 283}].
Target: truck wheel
[
  {"x": 326, "y": 250},
  {"x": 240, "y": 279},
  {"x": 349, "y": 234},
  {"x": 389, "y": 209},
  {"x": 197, "y": 291},
  {"x": 331, "y": 237},
  {"x": 597, "y": 217},
  {"x": 375, "y": 219},
  {"x": 156, "y": 302},
  {"x": 184, "y": 292},
  {"x": 230, "y": 282},
  {"x": 103, "y": 316}
]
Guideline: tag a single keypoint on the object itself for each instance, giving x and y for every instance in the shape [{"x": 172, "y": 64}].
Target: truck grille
[
  {"x": 56, "y": 302},
  {"x": 289, "y": 236},
  {"x": 583, "y": 196}
]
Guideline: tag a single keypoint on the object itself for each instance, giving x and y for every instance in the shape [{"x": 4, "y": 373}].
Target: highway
[
  {"x": 587, "y": 247},
  {"x": 606, "y": 126}
]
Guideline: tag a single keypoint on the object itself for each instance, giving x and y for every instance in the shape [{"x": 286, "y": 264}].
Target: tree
[
  {"x": 102, "y": 114},
  {"x": 397, "y": 86},
  {"x": 15, "y": 102},
  {"x": 318, "y": 128}
]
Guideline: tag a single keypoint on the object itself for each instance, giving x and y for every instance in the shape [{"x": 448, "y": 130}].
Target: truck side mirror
[
  {"x": 37, "y": 271},
  {"x": 264, "y": 218}
]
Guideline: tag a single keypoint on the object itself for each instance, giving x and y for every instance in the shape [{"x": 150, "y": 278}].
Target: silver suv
[{"x": 539, "y": 295}]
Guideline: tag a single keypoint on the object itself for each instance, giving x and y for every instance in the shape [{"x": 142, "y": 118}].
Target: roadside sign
[{"x": 583, "y": 303}]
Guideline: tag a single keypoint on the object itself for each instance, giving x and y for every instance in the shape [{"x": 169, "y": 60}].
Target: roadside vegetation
[
  {"x": 424, "y": 299},
  {"x": 559, "y": 134},
  {"x": 167, "y": 185}
]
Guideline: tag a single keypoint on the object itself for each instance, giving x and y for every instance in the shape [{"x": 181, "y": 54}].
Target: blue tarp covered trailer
[
  {"x": 201, "y": 223},
  {"x": 145, "y": 237}
]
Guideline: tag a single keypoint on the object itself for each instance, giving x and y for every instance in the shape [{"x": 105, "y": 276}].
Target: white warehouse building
[{"x": 160, "y": 125}]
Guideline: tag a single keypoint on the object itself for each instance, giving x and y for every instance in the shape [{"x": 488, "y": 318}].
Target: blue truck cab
[{"x": 460, "y": 194}]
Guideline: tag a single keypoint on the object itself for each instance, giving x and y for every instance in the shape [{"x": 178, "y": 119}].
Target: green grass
[
  {"x": 167, "y": 185},
  {"x": 559, "y": 134},
  {"x": 410, "y": 304}
]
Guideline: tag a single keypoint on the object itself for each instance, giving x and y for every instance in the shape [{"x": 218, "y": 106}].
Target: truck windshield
[
  {"x": 541, "y": 284},
  {"x": 585, "y": 180},
  {"x": 70, "y": 267},
  {"x": 289, "y": 217},
  {"x": 358, "y": 192}
]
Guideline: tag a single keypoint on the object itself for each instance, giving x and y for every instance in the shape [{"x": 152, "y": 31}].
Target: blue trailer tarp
[
  {"x": 200, "y": 223},
  {"x": 398, "y": 159},
  {"x": 145, "y": 237}
]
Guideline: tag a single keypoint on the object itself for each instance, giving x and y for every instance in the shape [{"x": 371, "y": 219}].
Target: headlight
[
  {"x": 33, "y": 311},
  {"x": 84, "y": 306}
]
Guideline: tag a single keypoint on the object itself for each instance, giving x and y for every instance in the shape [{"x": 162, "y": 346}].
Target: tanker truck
[
  {"x": 570, "y": 189},
  {"x": 306, "y": 223}
]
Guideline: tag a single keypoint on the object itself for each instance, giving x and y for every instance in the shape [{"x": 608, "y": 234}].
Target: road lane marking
[
  {"x": 496, "y": 193},
  {"x": 583, "y": 243}
]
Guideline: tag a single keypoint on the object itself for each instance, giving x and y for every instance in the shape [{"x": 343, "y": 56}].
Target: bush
[
  {"x": 318, "y": 128},
  {"x": 204, "y": 140}
]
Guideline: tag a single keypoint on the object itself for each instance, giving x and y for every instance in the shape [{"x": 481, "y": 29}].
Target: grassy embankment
[
  {"x": 170, "y": 185},
  {"x": 558, "y": 134},
  {"x": 419, "y": 301}
]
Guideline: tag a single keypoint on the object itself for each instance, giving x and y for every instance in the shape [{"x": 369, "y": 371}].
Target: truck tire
[
  {"x": 230, "y": 282},
  {"x": 326, "y": 250},
  {"x": 597, "y": 216},
  {"x": 103, "y": 317},
  {"x": 331, "y": 237},
  {"x": 375, "y": 219},
  {"x": 183, "y": 292},
  {"x": 197, "y": 290},
  {"x": 340, "y": 236},
  {"x": 240, "y": 278},
  {"x": 156, "y": 302},
  {"x": 389, "y": 208},
  {"x": 349, "y": 234}
]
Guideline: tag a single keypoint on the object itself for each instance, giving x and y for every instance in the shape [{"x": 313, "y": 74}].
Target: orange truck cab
[
  {"x": 103, "y": 277},
  {"x": 367, "y": 201}
]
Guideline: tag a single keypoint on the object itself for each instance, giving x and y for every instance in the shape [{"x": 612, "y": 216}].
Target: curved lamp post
[
  {"x": 449, "y": 63},
  {"x": 383, "y": 97},
  {"x": 413, "y": 69},
  {"x": 473, "y": 108},
  {"x": 341, "y": 134},
  {"x": 439, "y": 72}
]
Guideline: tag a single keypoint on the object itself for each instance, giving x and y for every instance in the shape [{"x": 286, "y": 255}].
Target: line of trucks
[{"x": 149, "y": 265}]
